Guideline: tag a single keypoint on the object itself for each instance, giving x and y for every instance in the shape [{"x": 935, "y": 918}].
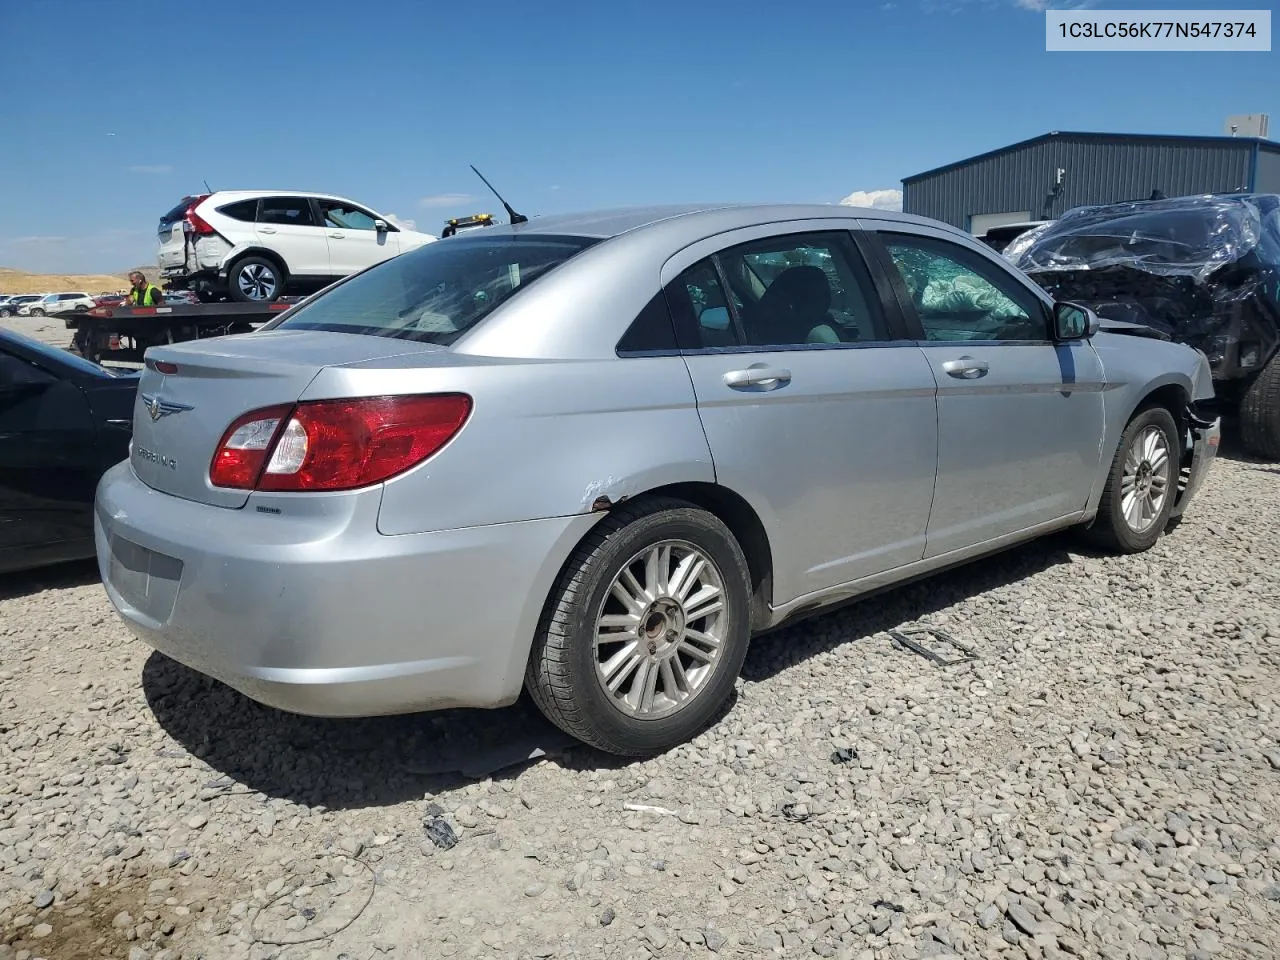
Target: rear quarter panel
[{"x": 545, "y": 438}]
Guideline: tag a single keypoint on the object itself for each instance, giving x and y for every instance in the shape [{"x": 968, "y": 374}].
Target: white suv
[
  {"x": 56, "y": 303},
  {"x": 258, "y": 245}
]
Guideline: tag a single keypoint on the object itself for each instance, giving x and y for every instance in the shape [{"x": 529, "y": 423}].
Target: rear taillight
[
  {"x": 335, "y": 444},
  {"x": 194, "y": 222}
]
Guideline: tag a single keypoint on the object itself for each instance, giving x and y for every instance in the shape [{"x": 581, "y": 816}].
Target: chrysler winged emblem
[{"x": 162, "y": 408}]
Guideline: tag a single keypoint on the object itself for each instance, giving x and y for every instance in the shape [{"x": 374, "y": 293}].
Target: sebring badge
[{"x": 162, "y": 408}]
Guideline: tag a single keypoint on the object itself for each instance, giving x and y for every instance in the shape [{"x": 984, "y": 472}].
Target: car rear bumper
[
  {"x": 1206, "y": 435},
  {"x": 320, "y": 614}
]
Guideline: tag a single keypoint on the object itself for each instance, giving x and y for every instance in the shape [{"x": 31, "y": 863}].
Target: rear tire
[
  {"x": 1260, "y": 412},
  {"x": 672, "y": 651},
  {"x": 255, "y": 280},
  {"x": 1142, "y": 485}
]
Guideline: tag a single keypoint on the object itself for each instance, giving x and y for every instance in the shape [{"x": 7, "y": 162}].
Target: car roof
[
  {"x": 623, "y": 265},
  {"x": 222, "y": 196},
  {"x": 607, "y": 223}
]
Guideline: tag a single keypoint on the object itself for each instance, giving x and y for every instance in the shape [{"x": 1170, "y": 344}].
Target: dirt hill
[{"x": 21, "y": 281}]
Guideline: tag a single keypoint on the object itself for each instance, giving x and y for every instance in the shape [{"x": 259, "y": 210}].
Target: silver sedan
[{"x": 595, "y": 455}]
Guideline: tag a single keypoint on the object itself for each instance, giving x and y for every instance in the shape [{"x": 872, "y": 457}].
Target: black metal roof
[{"x": 1168, "y": 138}]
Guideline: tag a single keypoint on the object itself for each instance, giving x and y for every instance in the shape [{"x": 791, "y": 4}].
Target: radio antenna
[{"x": 515, "y": 217}]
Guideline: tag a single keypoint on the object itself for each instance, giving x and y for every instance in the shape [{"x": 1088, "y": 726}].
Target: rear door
[
  {"x": 1020, "y": 418},
  {"x": 817, "y": 407},
  {"x": 354, "y": 241},
  {"x": 291, "y": 227}
]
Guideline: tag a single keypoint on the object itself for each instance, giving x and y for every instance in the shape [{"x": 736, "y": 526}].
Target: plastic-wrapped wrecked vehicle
[{"x": 1202, "y": 270}]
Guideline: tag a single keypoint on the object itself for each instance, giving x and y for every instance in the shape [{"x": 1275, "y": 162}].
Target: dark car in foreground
[
  {"x": 63, "y": 422},
  {"x": 1200, "y": 270}
]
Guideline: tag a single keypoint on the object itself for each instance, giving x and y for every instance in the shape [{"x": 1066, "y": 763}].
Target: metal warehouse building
[{"x": 1041, "y": 178}]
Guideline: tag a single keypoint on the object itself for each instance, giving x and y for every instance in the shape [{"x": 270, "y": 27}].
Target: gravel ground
[
  {"x": 1100, "y": 782},
  {"x": 52, "y": 330}
]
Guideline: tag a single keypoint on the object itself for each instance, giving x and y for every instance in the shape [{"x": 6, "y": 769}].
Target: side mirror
[
  {"x": 380, "y": 226},
  {"x": 1073, "y": 322}
]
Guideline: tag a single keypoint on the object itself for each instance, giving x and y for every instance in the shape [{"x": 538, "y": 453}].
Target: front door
[
  {"x": 1020, "y": 418},
  {"x": 354, "y": 241},
  {"x": 817, "y": 409}
]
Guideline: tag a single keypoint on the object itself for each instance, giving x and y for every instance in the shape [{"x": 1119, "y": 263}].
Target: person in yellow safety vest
[{"x": 144, "y": 294}]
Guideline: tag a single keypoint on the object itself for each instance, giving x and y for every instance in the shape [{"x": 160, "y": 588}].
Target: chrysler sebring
[{"x": 593, "y": 456}]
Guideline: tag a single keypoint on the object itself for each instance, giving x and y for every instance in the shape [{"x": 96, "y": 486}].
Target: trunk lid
[
  {"x": 178, "y": 418},
  {"x": 171, "y": 236}
]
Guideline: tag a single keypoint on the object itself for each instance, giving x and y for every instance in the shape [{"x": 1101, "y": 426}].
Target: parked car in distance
[
  {"x": 594, "y": 455},
  {"x": 259, "y": 245},
  {"x": 54, "y": 303},
  {"x": 63, "y": 421},
  {"x": 13, "y": 306}
]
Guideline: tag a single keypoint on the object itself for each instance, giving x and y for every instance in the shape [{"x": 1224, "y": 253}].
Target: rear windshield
[
  {"x": 178, "y": 212},
  {"x": 435, "y": 293}
]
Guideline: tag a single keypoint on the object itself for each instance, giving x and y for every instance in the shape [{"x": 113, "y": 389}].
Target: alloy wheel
[
  {"x": 1144, "y": 483},
  {"x": 257, "y": 281},
  {"x": 660, "y": 630}
]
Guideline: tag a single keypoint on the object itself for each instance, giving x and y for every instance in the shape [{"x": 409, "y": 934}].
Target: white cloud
[
  {"x": 157, "y": 169},
  {"x": 403, "y": 222},
  {"x": 446, "y": 199},
  {"x": 876, "y": 199},
  {"x": 27, "y": 241}
]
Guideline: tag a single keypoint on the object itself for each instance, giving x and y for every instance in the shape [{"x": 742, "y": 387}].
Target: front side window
[
  {"x": 345, "y": 216},
  {"x": 292, "y": 211},
  {"x": 436, "y": 293},
  {"x": 958, "y": 295}
]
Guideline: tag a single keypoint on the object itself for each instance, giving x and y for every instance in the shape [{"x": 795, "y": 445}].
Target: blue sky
[{"x": 114, "y": 109}]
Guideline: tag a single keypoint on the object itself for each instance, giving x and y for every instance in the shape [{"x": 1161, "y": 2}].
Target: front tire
[
  {"x": 37, "y": 312},
  {"x": 1142, "y": 486},
  {"x": 645, "y": 630},
  {"x": 255, "y": 280},
  {"x": 1260, "y": 413}
]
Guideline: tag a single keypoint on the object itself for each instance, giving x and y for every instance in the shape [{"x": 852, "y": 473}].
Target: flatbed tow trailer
[{"x": 101, "y": 333}]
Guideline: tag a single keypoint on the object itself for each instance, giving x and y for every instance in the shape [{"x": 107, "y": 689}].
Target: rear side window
[
  {"x": 436, "y": 293},
  {"x": 244, "y": 210},
  {"x": 294, "y": 211},
  {"x": 651, "y": 331}
]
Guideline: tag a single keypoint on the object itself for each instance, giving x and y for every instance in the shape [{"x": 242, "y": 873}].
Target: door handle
[
  {"x": 337, "y": 236},
  {"x": 966, "y": 368},
  {"x": 266, "y": 229},
  {"x": 758, "y": 375}
]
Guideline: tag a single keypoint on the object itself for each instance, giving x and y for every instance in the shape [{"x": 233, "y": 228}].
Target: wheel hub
[
  {"x": 662, "y": 627},
  {"x": 1144, "y": 477}
]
